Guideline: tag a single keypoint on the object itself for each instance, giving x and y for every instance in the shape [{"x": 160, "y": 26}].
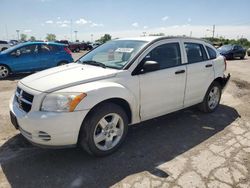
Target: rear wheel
[
  {"x": 212, "y": 98},
  {"x": 104, "y": 130},
  {"x": 4, "y": 71}
]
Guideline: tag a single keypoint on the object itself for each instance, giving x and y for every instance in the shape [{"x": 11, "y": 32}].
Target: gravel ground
[{"x": 182, "y": 149}]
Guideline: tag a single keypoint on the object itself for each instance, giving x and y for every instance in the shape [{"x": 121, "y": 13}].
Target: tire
[
  {"x": 77, "y": 50},
  {"x": 4, "y": 49},
  {"x": 4, "y": 71},
  {"x": 212, "y": 98},
  {"x": 99, "y": 138},
  {"x": 62, "y": 63},
  {"x": 242, "y": 57}
]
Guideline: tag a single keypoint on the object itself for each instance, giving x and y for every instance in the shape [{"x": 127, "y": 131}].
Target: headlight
[{"x": 62, "y": 102}]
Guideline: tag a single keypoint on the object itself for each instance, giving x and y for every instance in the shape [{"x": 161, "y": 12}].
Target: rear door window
[{"x": 195, "y": 52}]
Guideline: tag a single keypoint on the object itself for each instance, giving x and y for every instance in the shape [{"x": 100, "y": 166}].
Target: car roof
[
  {"x": 155, "y": 38},
  {"x": 53, "y": 43}
]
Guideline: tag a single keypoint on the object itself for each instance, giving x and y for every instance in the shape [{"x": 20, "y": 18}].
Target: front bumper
[{"x": 48, "y": 129}]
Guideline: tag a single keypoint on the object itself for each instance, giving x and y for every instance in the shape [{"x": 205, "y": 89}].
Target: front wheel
[
  {"x": 212, "y": 98},
  {"x": 104, "y": 130},
  {"x": 4, "y": 71}
]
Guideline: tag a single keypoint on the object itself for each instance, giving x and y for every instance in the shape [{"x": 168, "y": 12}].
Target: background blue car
[{"x": 33, "y": 56}]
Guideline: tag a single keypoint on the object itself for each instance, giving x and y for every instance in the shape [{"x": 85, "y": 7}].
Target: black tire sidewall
[{"x": 88, "y": 128}]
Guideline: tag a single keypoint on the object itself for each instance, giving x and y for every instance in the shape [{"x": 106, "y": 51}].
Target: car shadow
[{"x": 148, "y": 144}]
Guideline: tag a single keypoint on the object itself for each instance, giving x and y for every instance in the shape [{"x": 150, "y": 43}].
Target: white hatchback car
[{"x": 122, "y": 82}]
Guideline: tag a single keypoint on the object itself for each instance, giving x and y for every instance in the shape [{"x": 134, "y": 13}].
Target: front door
[
  {"x": 24, "y": 59},
  {"x": 162, "y": 90}
]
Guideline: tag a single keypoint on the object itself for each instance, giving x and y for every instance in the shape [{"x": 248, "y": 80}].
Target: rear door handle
[
  {"x": 209, "y": 65},
  {"x": 180, "y": 72}
]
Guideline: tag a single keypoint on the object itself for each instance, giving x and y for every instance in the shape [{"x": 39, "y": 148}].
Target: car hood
[{"x": 66, "y": 76}]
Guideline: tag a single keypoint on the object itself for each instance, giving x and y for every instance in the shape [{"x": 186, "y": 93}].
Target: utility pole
[
  {"x": 17, "y": 31},
  {"x": 76, "y": 35},
  {"x": 213, "y": 30}
]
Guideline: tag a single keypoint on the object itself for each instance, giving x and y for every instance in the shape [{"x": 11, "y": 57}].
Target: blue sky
[{"x": 124, "y": 18}]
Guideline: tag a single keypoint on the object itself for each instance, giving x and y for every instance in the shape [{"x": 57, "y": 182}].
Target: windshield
[
  {"x": 114, "y": 54},
  {"x": 226, "y": 48}
]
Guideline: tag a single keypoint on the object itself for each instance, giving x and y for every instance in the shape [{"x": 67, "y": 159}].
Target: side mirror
[{"x": 150, "y": 66}]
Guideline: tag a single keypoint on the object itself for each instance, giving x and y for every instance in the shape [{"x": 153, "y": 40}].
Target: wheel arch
[
  {"x": 118, "y": 101},
  {"x": 7, "y": 67}
]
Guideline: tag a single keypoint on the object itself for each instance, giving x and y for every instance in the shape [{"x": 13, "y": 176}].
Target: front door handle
[
  {"x": 209, "y": 65},
  {"x": 180, "y": 72}
]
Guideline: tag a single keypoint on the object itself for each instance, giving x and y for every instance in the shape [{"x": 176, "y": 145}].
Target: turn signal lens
[{"x": 75, "y": 101}]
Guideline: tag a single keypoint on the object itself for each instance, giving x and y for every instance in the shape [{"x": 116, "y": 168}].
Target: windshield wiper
[{"x": 95, "y": 63}]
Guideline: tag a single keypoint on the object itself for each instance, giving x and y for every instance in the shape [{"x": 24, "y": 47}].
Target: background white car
[
  {"x": 122, "y": 82},
  {"x": 4, "y": 45}
]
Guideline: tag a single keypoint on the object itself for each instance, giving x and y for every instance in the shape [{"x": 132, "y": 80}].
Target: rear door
[
  {"x": 47, "y": 56},
  {"x": 200, "y": 72}
]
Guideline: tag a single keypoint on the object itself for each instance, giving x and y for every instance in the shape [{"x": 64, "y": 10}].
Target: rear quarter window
[{"x": 211, "y": 52}]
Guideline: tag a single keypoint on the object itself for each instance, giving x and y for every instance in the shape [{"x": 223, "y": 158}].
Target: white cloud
[
  {"x": 135, "y": 24},
  {"x": 189, "y": 20},
  {"x": 66, "y": 21},
  {"x": 64, "y": 25},
  {"x": 96, "y": 25},
  {"x": 165, "y": 18},
  {"x": 58, "y": 17},
  {"x": 81, "y": 21},
  {"x": 27, "y": 31},
  {"x": 49, "y": 22},
  {"x": 145, "y": 27}
]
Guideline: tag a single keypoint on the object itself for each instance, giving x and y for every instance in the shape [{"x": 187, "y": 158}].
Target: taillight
[
  {"x": 225, "y": 63},
  {"x": 67, "y": 50}
]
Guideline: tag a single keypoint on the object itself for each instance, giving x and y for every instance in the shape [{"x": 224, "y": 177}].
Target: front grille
[{"x": 24, "y": 99}]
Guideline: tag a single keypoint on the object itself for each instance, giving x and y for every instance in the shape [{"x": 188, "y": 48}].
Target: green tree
[
  {"x": 32, "y": 38},
  {"x": 23, "y": 37},
  {"x": 157, "y": 34},
  {"x": 104, "y": 38},
  {"x": 51, "y": 37}
]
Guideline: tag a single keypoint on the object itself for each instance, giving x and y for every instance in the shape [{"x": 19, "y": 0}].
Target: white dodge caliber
[{"x": 91, "y": 102}]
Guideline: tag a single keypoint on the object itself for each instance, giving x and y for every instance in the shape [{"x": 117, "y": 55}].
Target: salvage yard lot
[{"x": 185, "y": 149}]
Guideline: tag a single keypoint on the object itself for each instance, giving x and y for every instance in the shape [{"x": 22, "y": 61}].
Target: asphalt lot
[{"x": 182, "y": 149}]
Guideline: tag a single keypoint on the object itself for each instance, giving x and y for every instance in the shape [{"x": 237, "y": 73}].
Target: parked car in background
[
  {"x": 33, "y": 56},
  {"x": 232, "y": 51},
  {"x": 123, "y": 82},
  {"x": 13, "y": 42},
  {"x": 4, "y": 45},
  {"x": 248, "y": 52},
  {"x": 75, "y": 46},
  {"x": 85, "y": 46},
  {"x": 96, "y": 44}
]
